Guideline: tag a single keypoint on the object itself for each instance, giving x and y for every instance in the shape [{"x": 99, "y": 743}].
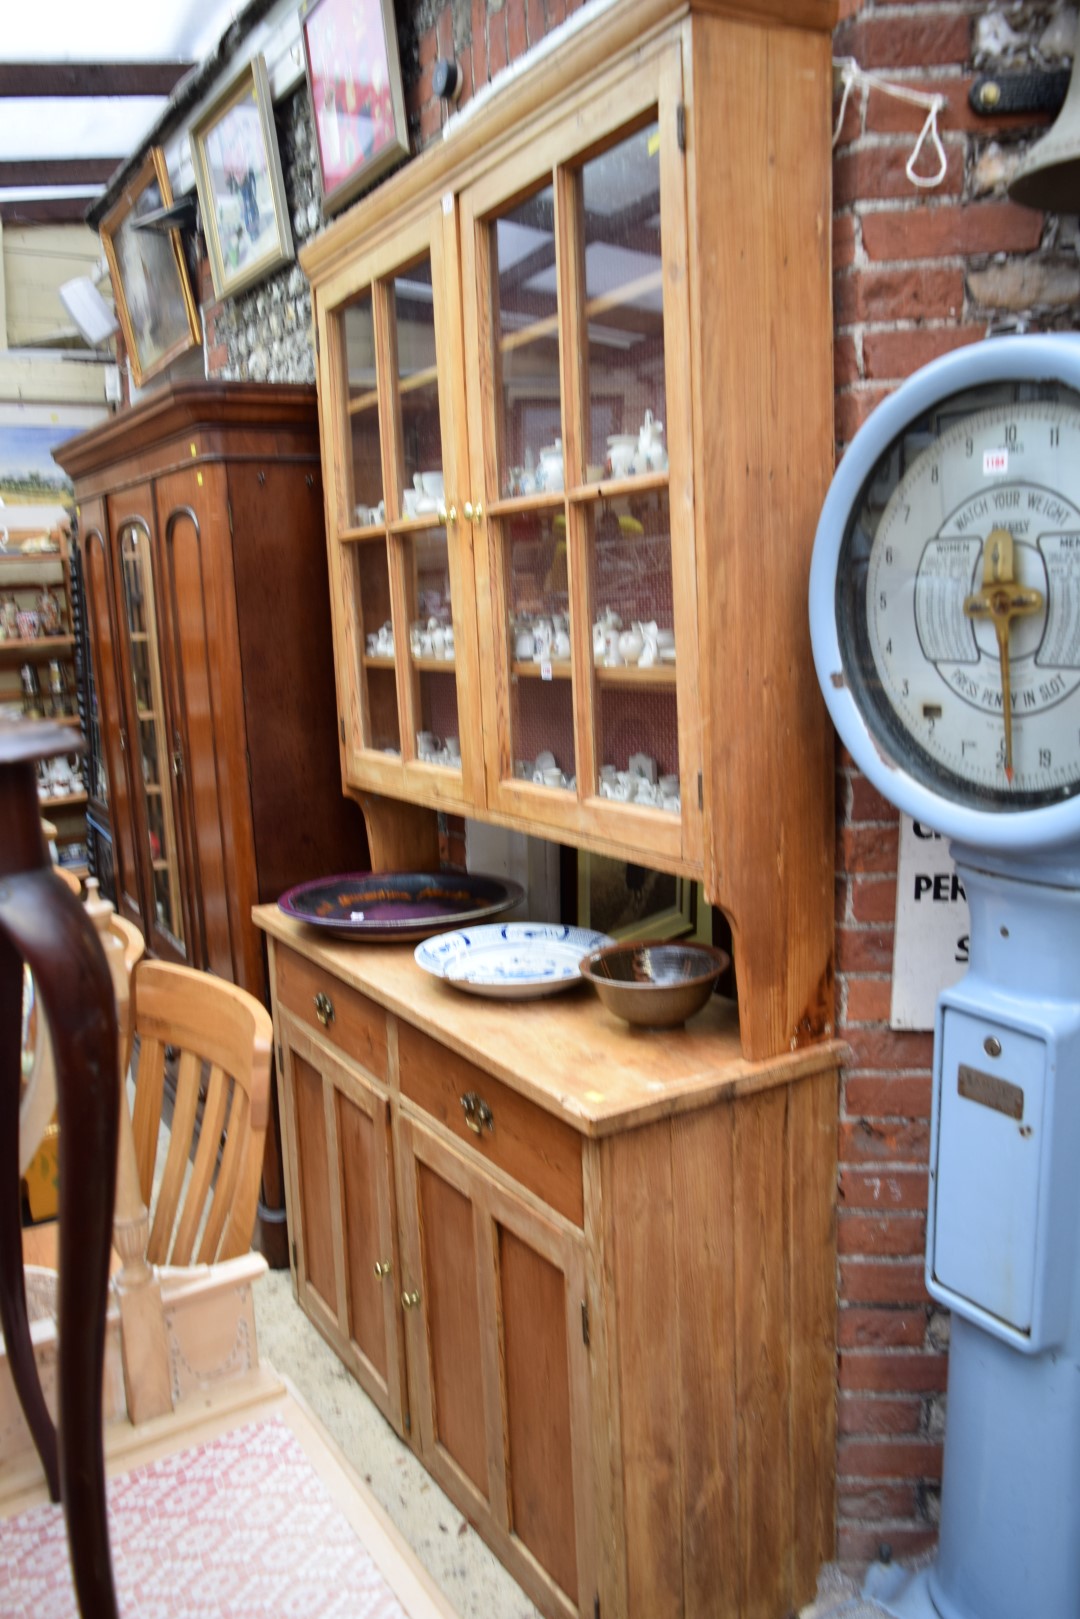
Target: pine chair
[{"x": 224, "y": 1038}]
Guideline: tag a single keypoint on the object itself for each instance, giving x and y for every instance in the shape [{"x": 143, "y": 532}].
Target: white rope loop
[{"x": 852, "y": 75}]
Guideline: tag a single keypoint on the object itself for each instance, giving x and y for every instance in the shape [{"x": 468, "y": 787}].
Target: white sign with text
[{"x": 930, "y": 945}]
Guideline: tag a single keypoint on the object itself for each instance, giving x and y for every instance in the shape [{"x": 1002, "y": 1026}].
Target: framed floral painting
[
  {"x": 154, "y": 302},
  {"x": 354, "y": 76},
  {"x": 234, "y": 152}
]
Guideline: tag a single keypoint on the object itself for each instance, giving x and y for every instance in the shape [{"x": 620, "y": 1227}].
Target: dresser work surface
[{"x": 568, "y": 1054}]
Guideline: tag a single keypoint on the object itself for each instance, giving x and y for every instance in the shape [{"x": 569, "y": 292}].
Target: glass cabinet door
[
  {"x": 398, "y": 564},
  {"x": 576, "y": 317},
  {"x": 155, "y": 819}
]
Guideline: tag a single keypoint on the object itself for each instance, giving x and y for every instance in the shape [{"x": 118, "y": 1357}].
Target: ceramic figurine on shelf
[
  {"x": 9, "y": 619},
  {"x": 48, "y": 607},
  {"x": 651, "y": 455}
]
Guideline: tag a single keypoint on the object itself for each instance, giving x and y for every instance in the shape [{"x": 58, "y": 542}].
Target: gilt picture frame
[
  {"x": 357, "y": 100},
  {"x": 245, "y": 215},
  {"x": 151, "y": 289}
]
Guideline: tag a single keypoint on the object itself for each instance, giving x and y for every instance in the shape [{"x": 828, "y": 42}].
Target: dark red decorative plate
[{"x": 398, "y": 904}]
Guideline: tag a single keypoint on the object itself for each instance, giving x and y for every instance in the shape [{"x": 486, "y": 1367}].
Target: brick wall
[{"x": 916, "y": 274}]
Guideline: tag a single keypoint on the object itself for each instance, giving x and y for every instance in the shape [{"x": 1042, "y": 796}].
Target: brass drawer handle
[
  {"x": 410, "y": 1300},
  {"x": 478, "y": 1116},
  {"x": 382, "y": 1268},
  {"x": 324, "y": 1009}
]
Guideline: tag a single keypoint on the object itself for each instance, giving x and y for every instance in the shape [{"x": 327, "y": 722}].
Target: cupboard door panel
[
  {"x": 452, "y": 1310},
  {"x": 532, "y": 1294},
  {"x": 315, "y": 1258},
  {"x": 358, "y": 1150}
]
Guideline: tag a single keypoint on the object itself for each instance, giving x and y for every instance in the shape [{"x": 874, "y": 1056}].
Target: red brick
[
  {"x": 868, "y": 1000},
  {"x": 861, "y": 1328},
  {"x": 880, "y": 172},
  {"x": 430, "y": 119},
  {"x": 885, "y": 115},
  {"x": 898, "y": 354},
  {"x": 897, "y": 1049},
  {"x": 444, "y": 32},
  {"x": 873, "y": 899},
  {"x": 883, "y": 1458},
  {"x": 898, "y": 1141},
  {"x": 859, "y": 1414},
  {"x": 845, "y": 362},
  {"x": 843, "y": 240},
  {"x": 951, "y": 230},
  {"x": 852, "y": 127},
  {"x": 882, "y": 42},
  {"x": 858, "y": 1546},
  {"x": 889, "y": 1097},
  {"x": 888, "y": 1371},
  {"x": 517, "y": 40},
  {"x": 479, "y": 43},
  {"x": 862, "y": 1499},
  {"x": 894, "y": 1281},
  {"x": 556, "y": 12},
  {"x": 870, "y": 848},
  {"x": 888, "y": 1190},
  {"x": 867, "y": 804},
  {"x": 535, "y": 20},
  {"x": 498, "y": 55},
  {"x": 864, "y": 950},
  {"x": 427, "y": 47},
  {"x": 853, "y": 408},
  {"x": 931, "y": 293},
  {"x": 897, "y": 1235}
]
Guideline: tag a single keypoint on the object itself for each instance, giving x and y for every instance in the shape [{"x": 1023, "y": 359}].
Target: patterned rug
[{"x": 241, "y": 1527}]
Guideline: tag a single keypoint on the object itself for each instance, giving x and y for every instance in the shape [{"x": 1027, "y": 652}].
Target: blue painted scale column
[{"x": 1003, "y": 1253}]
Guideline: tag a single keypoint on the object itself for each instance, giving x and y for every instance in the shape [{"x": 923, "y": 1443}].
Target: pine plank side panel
[
  {"x": 811, "y": 1151},
  {"x": 761, "y": 1345},
  {"x": 702, "y": 1150},
  {"x": 760, "y": 219},
  {"x": 639, "y": 1193}
]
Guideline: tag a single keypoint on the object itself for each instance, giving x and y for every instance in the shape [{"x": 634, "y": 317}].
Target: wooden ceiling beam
[
  {"x": 45, "y": 211},
  {"x": 24, "y": 79},
  {"x": 58, "y": 171}
]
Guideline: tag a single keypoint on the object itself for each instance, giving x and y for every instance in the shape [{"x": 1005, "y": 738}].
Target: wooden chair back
[{"x": 224, "y": 1037}]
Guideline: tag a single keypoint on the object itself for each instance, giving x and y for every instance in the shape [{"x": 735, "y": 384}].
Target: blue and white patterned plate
[{"x": 513, "y": 961}]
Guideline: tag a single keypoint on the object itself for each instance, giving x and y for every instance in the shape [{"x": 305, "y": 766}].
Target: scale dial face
[{"x": 958, "y": 597}]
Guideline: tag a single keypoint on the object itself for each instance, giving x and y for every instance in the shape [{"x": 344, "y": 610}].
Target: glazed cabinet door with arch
[
  {"x": 576, "y": 323},
  {"x": 106, "y": 633},
  {"x": 164, "y": 917},
  {"x": 401, "y": 573},
  {"x": 494, "y": 1297}
]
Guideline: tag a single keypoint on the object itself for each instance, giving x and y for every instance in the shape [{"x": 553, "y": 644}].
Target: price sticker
[
  {"x": 545, "y": 669},
  {"x": 995, "y": 462}
]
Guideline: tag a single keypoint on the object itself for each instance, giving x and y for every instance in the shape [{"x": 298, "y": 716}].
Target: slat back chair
[{"x": 225, "y": 1032}]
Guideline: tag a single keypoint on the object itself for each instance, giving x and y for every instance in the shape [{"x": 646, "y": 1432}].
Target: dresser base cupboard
[{"x": 599, "y": 1302}]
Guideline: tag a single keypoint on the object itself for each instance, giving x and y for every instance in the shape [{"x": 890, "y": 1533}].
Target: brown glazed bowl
[{"x": 654, "y": 984}]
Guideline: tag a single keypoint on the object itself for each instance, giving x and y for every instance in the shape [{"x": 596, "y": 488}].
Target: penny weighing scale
[{"x": 945, "y": 620}]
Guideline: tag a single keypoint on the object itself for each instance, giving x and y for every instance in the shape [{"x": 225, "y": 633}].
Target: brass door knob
[
  {"x": 382, "y": 1267},
  {"x": 410, "y": 1300},
  {"x": 474, "y": 514},
  {"x": 324, "y": 1009}
]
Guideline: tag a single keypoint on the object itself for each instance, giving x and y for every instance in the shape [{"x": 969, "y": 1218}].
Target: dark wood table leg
[{"x": 44, "y": 924}]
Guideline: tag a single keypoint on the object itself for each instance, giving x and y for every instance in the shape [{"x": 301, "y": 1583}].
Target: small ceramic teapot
[
  {"x": 651, "y": 455},
  {"x": 631, "y": 644},
  {"x": 621, "y": 452},
  {"x": 549, "y": 474}
]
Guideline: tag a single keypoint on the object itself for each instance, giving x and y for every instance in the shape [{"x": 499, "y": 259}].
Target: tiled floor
[{"x": 472, "y": 1578}]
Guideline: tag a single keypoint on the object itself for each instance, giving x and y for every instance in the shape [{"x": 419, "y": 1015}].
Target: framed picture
[
  {"x": 234, "y": 151},
  {"x": 354, "y": 76},
  {"x": 632, "y": 902},
  {"x": 154, "y": 303}
]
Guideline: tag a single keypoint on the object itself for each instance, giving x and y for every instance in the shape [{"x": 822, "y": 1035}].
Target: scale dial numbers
[{"x": 972, "y": 600}]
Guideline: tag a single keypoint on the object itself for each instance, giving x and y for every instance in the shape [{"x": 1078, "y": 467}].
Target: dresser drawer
[
  {"x": 536, "y": 1148},
  {"x": 352, "y": 1023}
]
